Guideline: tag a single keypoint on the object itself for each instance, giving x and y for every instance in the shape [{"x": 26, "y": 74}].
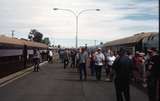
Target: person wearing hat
[
  {"x": 99, "y": 62},
  {"x": 135, "y": 67},
  {"x": 153, "y": 74}
]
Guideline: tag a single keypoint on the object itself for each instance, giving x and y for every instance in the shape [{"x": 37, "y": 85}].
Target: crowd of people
[{"x": 122, "y": 67}]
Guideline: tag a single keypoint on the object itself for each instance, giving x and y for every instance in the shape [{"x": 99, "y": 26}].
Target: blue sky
[
  {"x": 117, "y": 19},
  {"x": 141, "y": 17}
]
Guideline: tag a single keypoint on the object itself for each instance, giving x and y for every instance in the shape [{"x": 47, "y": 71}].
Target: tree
[
  {"x": 35, "y": 35},
  {"x": 59, "y": 46},
  {"x": 46, "y": 41},
  {"x": 101, "y": 43},
  {"x": 53, "y": 45}
]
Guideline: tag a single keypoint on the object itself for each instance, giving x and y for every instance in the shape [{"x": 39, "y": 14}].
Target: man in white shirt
[
  {"x": 99, "y": 62},
  {"x": 110, "y": 59},
  {"x": 50, "y": 56}
]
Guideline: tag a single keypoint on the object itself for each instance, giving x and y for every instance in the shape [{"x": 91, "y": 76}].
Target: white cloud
[{"x": 104, "y": 25}]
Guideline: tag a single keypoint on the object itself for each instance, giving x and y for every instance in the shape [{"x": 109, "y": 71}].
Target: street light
[
  {"x": 12, "y": 33},
  {"x": 77, "y": 16}
]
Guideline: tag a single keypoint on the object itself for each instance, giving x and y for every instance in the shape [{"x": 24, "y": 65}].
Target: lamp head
[
  {"x": 55, "y": 8},
  {"x": 97, "y": 9}
]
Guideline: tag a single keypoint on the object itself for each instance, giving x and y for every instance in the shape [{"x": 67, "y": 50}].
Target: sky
[{"x": 116, "y": 19}]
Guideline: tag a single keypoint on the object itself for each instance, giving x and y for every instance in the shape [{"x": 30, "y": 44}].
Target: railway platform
[{"x": 53, "y": 83}]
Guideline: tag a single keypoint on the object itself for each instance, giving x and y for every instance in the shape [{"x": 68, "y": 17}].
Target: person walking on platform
[
  {"x": 109, "y": 72},
  {"x": 50, "y": 60},
  {"x": 92, "y": 63},
  {"x": 99, "y": 62},
  {"x": 66, "y": 58},
  {"x": 36, "y": 60},
  {"x": 77, "y": 59},
  {"x": 106, "y": 55},
  {"x": 73, "y": 58},
  {"x": 82, "y": 63},
  {"x": 153, "y": 75},
  {"x": 122, "y": 67}
]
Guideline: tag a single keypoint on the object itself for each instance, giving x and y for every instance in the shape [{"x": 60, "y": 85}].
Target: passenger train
[
  {"x": 138, "y": 42},
  {"x": 16, "y": 54},
  {"x": 150, "y": 41}
]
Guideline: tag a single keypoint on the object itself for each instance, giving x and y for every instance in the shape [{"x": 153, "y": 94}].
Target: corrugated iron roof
[
  {"x": 15, "y": 41},
  {"x": 130, "y": 40},
  {"x": 35, "y": 44},
  {"x": 9, "y": 40}
]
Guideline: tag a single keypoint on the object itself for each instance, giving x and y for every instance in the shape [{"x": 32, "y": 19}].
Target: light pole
[
  {"x": 77, "y": 16},
  {"x": 12, "y": 33},
  {"x": 95, "y": 42}
]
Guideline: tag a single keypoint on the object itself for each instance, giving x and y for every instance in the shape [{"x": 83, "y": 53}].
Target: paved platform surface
[{"x": 53, "y": 83}]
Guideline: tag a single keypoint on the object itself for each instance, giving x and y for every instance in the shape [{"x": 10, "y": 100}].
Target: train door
[{"x": 25, "y": 56}]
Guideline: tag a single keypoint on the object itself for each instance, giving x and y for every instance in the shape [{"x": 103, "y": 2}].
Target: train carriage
[
  {"x": 16, "y": 54},
  {"x": 134, "y": 43},
  {"x": 30, "y": 46},
  {"x": 150, "y": 41}
]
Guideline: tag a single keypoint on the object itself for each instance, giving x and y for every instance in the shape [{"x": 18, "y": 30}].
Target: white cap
[{"x": 99, "y": 48}]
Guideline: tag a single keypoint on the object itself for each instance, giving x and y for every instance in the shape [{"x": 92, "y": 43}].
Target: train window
[
  {"x": 152, "y": 37},
  {"x": 149, "y": 38}
]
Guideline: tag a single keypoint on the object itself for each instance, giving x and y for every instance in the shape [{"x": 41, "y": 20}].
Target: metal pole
[
  {"x": 76, "y": 31},
  {"x": 95, "y": 42},
  {"x": 12, "y": 33}
]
